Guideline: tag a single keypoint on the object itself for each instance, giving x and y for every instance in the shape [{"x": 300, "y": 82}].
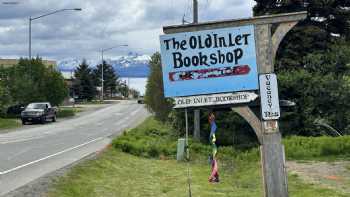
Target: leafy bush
[
  {"x": 232, "y": 129},
  {"x": 151, "y": 139},
  {"x": 155, "y": 139},
  {"x": 317, "y": 147},
  {"x": 32, "y": 81},
  {"x": 63, "y": 113}
]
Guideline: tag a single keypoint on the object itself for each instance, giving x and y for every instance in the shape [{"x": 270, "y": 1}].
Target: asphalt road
[{"x": 32, "y": 152}]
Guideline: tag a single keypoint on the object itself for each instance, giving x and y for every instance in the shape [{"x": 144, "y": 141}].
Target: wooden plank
[
  {"x": 275, "y": 177},
  {"x": 214, "y": 99},
  {"x": 263, "y": 48},
  {"x": 279, "y": 34}
]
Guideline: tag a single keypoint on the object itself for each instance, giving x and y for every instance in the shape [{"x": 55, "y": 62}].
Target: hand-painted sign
[
  {"x": 215, "y": 99},
  {"x": 209, "y": 62},
  {"x": 270, "y": 107}
]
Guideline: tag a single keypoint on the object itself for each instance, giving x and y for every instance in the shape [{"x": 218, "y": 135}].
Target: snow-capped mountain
[{"x": 132, "y": 65}]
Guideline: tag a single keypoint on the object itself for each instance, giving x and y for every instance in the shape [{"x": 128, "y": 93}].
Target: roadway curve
[{"x": 30, "y": 153}]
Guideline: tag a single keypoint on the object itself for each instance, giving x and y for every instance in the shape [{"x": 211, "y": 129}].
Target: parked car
[
  {"x": 141, "y": 100},
  {"x": 39, "y": 112}
]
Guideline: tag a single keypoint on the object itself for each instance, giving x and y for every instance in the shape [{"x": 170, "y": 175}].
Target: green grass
[
  {"x": 119, "y": 174},
  {"x": 150, "y": 139},
  {"x": 65, "y": 112},
  {"x": 317, "y": 148},
  {"x": 141, "y": 163},
  {"x": 9, "y": 123},
  {"x": 153, "y": 139}
]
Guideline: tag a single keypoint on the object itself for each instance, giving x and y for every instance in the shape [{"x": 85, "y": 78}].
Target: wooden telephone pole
[{"x": 197, "y": 118}]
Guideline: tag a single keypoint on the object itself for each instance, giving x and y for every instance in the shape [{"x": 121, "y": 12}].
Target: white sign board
[
  {"x": 215, "y": 99},
  {"x": 270, "y": 107},
  {"x": 209, "y": 61}
]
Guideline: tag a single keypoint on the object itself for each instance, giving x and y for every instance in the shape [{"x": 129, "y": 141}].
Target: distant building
[{"x": 11, "y": 62}]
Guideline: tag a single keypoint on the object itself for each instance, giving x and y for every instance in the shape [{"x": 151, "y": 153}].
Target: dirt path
[{"x": 332, "y": 175}]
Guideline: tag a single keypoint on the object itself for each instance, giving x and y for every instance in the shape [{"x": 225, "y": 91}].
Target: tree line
[
  {"x": 313, "y": 69},
  {"x": 87, "y": 81},
  {"x": 32, "y": 81}
]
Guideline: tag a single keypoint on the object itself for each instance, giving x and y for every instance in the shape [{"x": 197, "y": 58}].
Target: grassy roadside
[
  {"x": 66, "y": 112},
  {"x": 9, "y": 124},
  {"x": 141, "y": 163},
  {"x": 118, "y": 174}
]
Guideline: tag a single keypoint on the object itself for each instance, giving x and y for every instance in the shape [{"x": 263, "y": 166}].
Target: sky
[{"x": 101, "y": 24}]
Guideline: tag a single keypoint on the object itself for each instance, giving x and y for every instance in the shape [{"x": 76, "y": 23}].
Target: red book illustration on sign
[{"x": 209, "y": 73}]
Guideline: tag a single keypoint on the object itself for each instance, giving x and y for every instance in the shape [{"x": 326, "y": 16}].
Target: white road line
[{"x": 53, "y": 155}]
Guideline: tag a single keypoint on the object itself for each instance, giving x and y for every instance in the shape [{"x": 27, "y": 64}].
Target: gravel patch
[{"x": 332, "y": 175}]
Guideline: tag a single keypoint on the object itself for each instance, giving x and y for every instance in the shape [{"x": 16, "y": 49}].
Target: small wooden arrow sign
[{"x": 215, "y": 99}]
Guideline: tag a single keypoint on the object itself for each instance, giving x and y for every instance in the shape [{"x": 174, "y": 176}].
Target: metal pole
[
  {"x": 188, "y": 157},
  {"x": 102, "y": 66},
  {"x": 35, "y": 18},
  {"x": 187, "y": 150},
  {"x": 102, "y": 80},
  {"x": 196, "y": 132},
  {"x": 195, "y": 11},
  {"x": 30, "y": 39}
]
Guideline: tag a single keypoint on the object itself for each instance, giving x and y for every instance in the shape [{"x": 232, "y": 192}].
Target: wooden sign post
[{"x": 269, "y": 32}]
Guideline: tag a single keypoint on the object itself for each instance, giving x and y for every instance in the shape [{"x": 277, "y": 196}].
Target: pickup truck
[{"x": 38, "y": 112}]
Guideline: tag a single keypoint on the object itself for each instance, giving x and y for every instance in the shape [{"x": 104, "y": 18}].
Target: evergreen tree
[
  {"x": 109, "y": 77},
  {"x": 313, "y": 64},
  {"x": 327, "y": 21},
  {"x": 83, "y": 85},
  {"x": 330, "y": 15},
  {"x": 154, "y": 97}
]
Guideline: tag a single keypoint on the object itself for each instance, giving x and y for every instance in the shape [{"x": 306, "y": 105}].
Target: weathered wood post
[
  {"x": 266, "y": 43},
  {"x": 272, "y": 151}
]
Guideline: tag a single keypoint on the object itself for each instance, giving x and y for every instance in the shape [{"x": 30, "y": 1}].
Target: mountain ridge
[{"x": 131, "y": 65}]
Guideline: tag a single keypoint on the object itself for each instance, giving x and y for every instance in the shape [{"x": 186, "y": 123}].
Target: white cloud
[{"x": 101, "y": 24}]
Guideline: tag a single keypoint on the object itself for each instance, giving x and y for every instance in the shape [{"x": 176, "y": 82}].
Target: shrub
[
  {"x": 153, "y": 151},
  {"x": 316, "y": 147},
  {"x": 63, "y": 113},
  {"x": 156, "y": 139}
]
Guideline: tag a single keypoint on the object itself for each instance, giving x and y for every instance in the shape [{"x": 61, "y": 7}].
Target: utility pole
[
  {"x": 197, "y": 118},
  {"x": 102, "y": 76},
  {"x": 30, "y": 39},
  {"x": 195, "y": 11},
  {"x": 44, "y": 15},
  {"x": 102, "y": 65}
]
